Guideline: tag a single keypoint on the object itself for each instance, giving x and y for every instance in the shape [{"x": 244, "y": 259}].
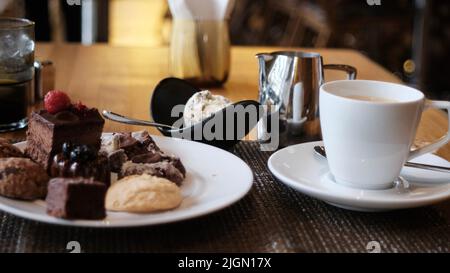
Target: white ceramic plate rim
[
  {"x": 303, "y": 185},
  {"x": 243, "y": 186}
]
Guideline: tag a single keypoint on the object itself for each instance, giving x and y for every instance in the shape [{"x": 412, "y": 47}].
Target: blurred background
[{"x": 411, "y": 38}]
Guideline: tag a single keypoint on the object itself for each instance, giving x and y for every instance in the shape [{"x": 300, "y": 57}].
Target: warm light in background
[{"x": 138, "y": 22}]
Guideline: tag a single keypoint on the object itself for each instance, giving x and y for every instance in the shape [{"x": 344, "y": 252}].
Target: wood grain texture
[{"x": 121, "y": 79}]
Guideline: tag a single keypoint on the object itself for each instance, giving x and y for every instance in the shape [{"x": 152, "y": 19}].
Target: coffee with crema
[{"x": 370, "y": 98}]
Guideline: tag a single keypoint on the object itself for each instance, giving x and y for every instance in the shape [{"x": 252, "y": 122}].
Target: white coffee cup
[{"x": 368, "y": 128}]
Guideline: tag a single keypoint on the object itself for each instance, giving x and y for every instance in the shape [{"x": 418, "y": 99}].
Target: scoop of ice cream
[{"x": 202, "y": 105}]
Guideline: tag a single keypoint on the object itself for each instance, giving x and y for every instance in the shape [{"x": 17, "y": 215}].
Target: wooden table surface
[{"x": 121, "y": 79}]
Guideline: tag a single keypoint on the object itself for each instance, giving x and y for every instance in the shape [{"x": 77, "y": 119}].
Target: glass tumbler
[
  {"x": 200, "y": 51},
  {"x": 16, "y": 72}
]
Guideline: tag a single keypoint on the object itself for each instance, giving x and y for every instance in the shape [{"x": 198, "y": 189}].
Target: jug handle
[{"x": 350, "y": 70}]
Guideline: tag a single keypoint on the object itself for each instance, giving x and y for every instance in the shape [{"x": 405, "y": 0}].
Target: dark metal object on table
[{"x": 289, "y": 88}]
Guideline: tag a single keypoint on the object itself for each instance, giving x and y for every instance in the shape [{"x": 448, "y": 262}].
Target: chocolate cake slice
[
  {"x": 47, "y": 132},
  {"x": 76, "y": 198}
]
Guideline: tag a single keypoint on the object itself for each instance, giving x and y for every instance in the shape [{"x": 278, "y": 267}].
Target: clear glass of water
[{"x": 16, "y": 72}]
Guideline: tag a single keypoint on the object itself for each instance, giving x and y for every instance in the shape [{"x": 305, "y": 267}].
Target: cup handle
[
  {"x": 350, "y": 70},
  {"x": 440, "y": 142}
]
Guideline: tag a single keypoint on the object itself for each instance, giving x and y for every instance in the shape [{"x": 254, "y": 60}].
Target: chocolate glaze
[
  {"x": 69, "y": 117},
  {"x": 97, "y": 169}
]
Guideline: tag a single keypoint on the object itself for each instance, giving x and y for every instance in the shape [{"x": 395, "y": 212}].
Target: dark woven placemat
[{"x": 271, "y": 218}]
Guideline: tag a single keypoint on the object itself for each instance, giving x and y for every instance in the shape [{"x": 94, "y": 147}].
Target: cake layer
[
  {"x": 46, "y": 132},
  {"x": 37, "y": 154}
]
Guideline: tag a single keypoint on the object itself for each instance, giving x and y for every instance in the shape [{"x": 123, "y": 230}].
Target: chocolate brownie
[
  {"x": 135, "y": 143},
  {"x": 159, "y": 156},
  {"x": 131, "y": 145},
  {"x": 76, "y": 198},
  {"x": 47, "y": 132},
  {"x": 146, "y": 140},
  {"x": 21, "y": 178}
]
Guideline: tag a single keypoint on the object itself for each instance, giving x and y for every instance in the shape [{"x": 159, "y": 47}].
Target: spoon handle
[
  {"x": 427, "y": 167},
  {"x": 127, "y": 120},
  {"x": 321, "y": 151}
]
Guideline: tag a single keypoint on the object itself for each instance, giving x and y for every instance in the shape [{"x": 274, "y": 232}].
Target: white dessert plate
[
  {"x": 215, "y": 179},
  {"x": 300, "y": 168}
]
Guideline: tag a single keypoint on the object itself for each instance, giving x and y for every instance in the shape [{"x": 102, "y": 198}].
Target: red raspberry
[
  {"x": 79, "y": 107},
  {"x": 56, "y": 101}
]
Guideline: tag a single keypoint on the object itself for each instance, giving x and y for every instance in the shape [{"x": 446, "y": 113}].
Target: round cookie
[
  {"x": 9, "y": 150},
  {"x": 21, "y": 178},
  {"x": 142, "y": 194}
]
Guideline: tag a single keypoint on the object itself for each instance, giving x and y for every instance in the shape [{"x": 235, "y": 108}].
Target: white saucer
[
  {"x": 426, "y": 176},
  {"x": 300, "y": 168},
  {"x": 215, "y": 179}
]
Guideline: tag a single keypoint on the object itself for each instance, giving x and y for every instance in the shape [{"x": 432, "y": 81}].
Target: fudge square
[
  {"x": 47, "y": 132},
  {"x": 76, "y": 198}
]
